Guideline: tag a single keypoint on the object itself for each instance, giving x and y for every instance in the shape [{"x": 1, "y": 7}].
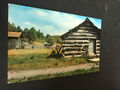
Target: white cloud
[
  {"x": 61, "y": 20},
  {"x": 41, "y": 13},
  {"x": 10, "y": 19},
  {"x": 53, "y": 22},
  {"x": 48, "y": 27},
  {"x": 38, "y": 12},
  {"x": 29, "y": 25}
]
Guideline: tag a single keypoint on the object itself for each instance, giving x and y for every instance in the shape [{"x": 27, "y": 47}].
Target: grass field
[
  {"x": 22, "y": 52},
  {"x": 24, "y": 59},
  {"x": 49, "y": 76},
  {"x": 33, "y": 59}
]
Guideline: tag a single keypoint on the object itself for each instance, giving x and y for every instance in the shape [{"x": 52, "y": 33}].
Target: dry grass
[
  {"x": 21, "y": 59},
  {"x": 38, "y": 43},
  {"x": 40, "y": 61},
  {"x": 17, "y": 52}
]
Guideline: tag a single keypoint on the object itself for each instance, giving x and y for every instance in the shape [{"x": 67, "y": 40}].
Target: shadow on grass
[{"x": 56, "y": 56}]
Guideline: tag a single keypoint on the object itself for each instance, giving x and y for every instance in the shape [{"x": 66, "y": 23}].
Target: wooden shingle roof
[{"x": 14, "y": 34}]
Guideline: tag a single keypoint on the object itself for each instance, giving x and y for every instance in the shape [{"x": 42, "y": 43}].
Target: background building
[{"x": 14, "y": 40}]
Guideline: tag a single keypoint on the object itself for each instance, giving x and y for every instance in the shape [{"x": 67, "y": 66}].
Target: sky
[{"x": 48, "y": 21}]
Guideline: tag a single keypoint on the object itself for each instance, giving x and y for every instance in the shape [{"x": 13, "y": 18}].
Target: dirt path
[{"x": 29, "y": 73}]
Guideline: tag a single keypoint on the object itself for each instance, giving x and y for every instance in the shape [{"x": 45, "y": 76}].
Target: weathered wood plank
[
  {"x": 81, "y": 37},
  {"x": 82, "y": 33},
  {"x": 74, "y": 45},
  {"x": 77, "y": 44},
  {"x": 86, "y": 31},
  {"x": 73, "y": 52},
  {"x": 75, "y": 40},
  {"x": 98, "y": 41},
  {"x": 98, "y": 44},
  {"x": 72, "y": 56},
  {"x": 97, "y": 52},
  {"x": 97, "y": 47}
]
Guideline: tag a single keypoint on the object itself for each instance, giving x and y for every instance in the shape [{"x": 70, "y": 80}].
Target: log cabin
[
  {"x": 82, "y": 40},
  {"x": 14, "y": 41}
]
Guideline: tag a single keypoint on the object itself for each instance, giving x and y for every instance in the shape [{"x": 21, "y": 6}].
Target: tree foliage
[
  {"x": 53, "y": 39},
  {"x": 12, "y": 27},
  {"x": 32, "y": 34},
  {"x": 19, "y": 29}
]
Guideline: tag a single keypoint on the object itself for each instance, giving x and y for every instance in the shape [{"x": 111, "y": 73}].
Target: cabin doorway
[{"x": 92, "y": 47}]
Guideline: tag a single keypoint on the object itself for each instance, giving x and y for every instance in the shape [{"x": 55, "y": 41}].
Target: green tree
[
  {"x": 9, "y": 26},
  {"x": 13, "y": 27},
  {"x": 53, "y": 39},
  {"x": 40, "y": 34},
  {"x": 50, "y": 40},
  {"x": 19, "y": 29},
  {"x": 25, "y": 34},
  {"x": 48, "y": 35},
  {"x": 32, "y": 34}
]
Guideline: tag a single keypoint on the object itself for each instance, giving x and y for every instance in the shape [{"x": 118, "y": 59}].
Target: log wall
[{"x": 75, "y": 42}]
